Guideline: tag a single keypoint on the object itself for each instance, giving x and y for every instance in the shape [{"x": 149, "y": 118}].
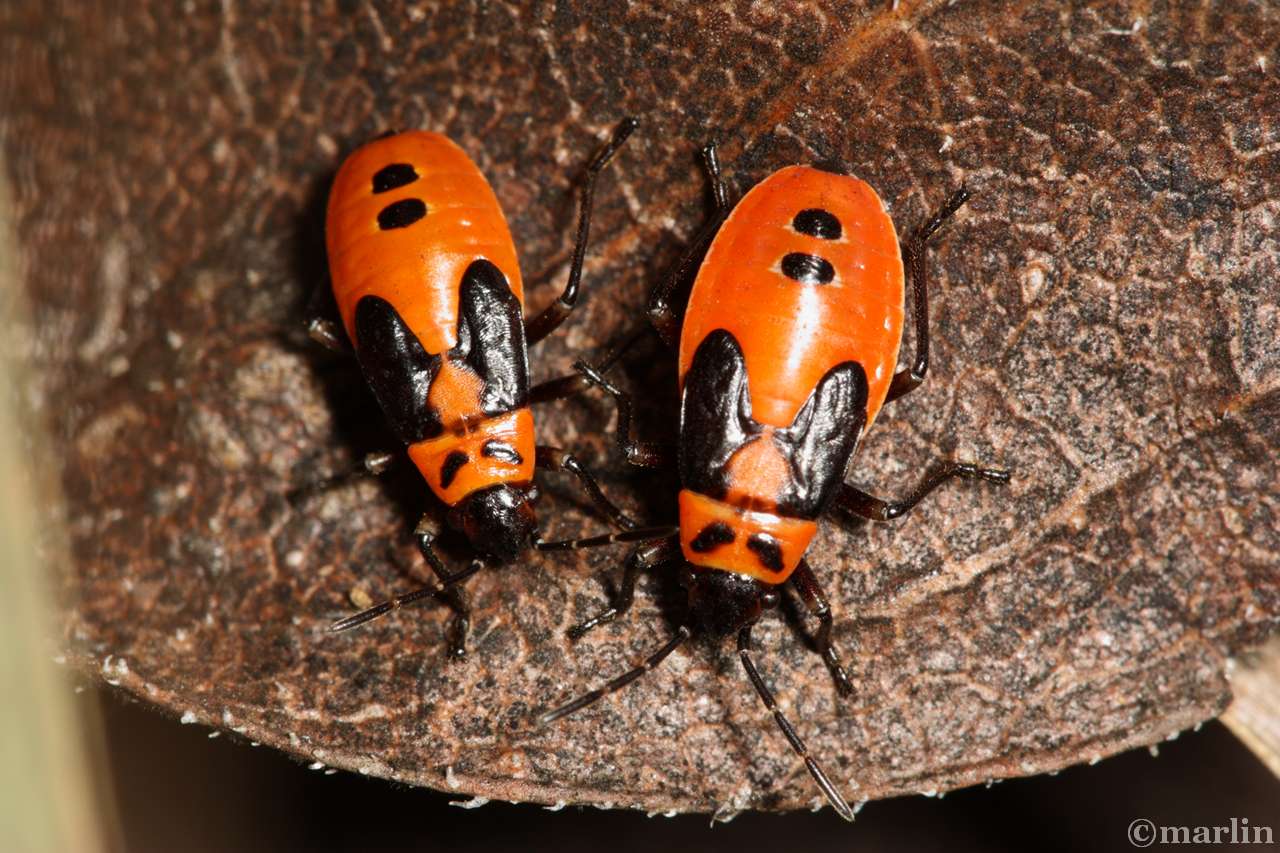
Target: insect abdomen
[
  {"x": 407, "y": 215},
  {"x": 806, "y": 274}
]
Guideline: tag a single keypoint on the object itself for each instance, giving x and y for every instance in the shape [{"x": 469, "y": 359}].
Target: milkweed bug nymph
[
  {"x": 426, "y": 281},
  {"x": 787, "y": 351}
]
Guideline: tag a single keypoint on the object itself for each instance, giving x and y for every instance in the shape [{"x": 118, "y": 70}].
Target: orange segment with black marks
[
  {"x": 496, "y": 450},
  {"x": 762, "y": 545},
  {"x": 806, "y": 273},
  {"x": 407, "y": 215}
]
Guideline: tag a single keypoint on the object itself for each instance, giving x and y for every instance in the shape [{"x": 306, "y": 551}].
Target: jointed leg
[
  {"x": 804, "y": 582},
  {"x": 662, "y": 313},
  {"x": 575, "y": 383},
  {"x": 555, "y": 313},
  {"x": 913, "y": 257},
  {"x": 329, "y": 335},
  {"x": 449, "y": 592},
  {"x": 654, "y": 660},
  {"x": 640, "y": 453},
  {"x": 373, "y": 465},
  {"x": 862, "y": 504},
  {"x": 711, "y": 165},
  {"x": 323, "y": 330},
  {"x": 643, "y": 557},
  {"x": 555, "y": 459}
]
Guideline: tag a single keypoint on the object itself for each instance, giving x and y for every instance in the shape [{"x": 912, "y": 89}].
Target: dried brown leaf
[{"x": 1105, "y": 320}]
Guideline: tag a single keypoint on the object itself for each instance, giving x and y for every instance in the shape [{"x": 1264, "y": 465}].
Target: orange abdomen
[
  {"x": 801, "y": 303},
  {"x": 407, "y": 215}
]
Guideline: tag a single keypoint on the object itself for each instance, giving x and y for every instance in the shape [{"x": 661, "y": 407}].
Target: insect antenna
[
  {"x": 625, "y": 128},
  {"x": 638, "y": 534},
  {"x": 952, "y": 204},
  {"x": 682, "y": 633},
  {"x": 833, "y": 796},
  {"x": 439, "y": 593}
]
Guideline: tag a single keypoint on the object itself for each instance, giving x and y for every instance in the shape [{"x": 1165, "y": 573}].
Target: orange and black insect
[
  {"x": 787, "y": 351},
  {"x": 426, "y": 281}
]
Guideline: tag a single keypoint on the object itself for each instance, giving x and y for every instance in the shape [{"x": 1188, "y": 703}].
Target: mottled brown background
[{"x": 1105, "y": 323}]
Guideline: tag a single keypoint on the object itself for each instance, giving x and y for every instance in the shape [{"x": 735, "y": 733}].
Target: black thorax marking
[
  {"x": 767, "y": 550},
  {"x": 452, "y": 465},
  {"x": 495, "y": 449},
  {"x": 711, "y": 537}
]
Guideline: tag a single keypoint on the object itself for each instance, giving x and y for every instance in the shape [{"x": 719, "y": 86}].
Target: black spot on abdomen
[
  {"x": 767, "y": 550},
  {"x": 711, "y": 537},
  {"x": 395, "y": 175},
  {"x": 816, "y": 222},
  {"x": 807, "y": 269},
  {"x": 402, "y": 213},
  {"x": 452, "y": 465}
]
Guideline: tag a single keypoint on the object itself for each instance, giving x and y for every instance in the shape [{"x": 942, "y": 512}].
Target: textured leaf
[{"x": 1105, "y": 321}]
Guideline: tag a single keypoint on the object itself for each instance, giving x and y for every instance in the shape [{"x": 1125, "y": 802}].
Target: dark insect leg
[
  {"x": 438, "y": 593},
  {"x": 641, "y": 558},
  {"x": 663, "y": 314},
  {"x": 555, "y": 459},
  {"x": 641, "y": 453},
  {"x": 329, "y": 335},
  {"x": 833, "y": 796},
  {"x": 574, "y": 383},
  {"x": 639, "y": 534},
  {"x": 913, "y": 257},
  {"x": 804, "y": 582},
  {"x": 450, "y": 589},
  {"x": 860, "y": 503},
  {"x": 320, "y": 327},
  {"x": 682, "y": 633},
  {"x": 448, "y": 593},
  {"x": 555, "y": 313},
  {"x": 373, "y": 465}
]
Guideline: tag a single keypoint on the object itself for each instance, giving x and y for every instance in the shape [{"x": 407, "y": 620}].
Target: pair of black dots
[
  {"x": 798, "y": 266},
  {"x": 717, "y": 533},
  {"x": 806, "y": 268},
  {"x": 406, "y": 211}
]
